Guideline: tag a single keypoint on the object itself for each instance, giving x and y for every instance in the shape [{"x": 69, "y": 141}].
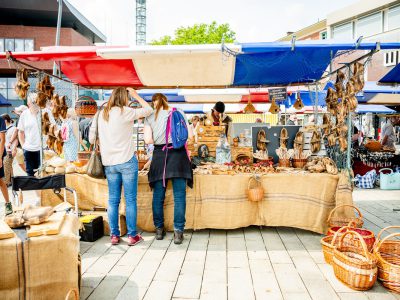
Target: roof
[
  {"x": 44, "y": 13},
  {"x": 306, "y": 31},
  {"x": 197, "y": 66}
]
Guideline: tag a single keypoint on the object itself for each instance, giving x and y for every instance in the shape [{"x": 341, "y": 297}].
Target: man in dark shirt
[{"x": 3, "y": 186}]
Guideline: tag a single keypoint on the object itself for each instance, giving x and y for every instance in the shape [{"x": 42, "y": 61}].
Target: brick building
[{"x": 27, "y": 25}]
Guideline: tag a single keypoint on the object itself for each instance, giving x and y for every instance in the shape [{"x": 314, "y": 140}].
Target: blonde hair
[
  {"x": 119, "y": 98},
  {"x": 162, "y": 102}
]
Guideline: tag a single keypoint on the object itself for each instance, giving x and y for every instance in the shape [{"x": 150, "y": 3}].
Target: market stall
[{"x": 314, "y": 160}]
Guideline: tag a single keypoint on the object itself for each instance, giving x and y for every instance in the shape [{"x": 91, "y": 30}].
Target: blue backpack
[{"x": 177, "y": 129}]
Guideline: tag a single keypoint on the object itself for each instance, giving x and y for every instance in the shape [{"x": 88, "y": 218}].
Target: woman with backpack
[
  {"x": 170, "y": 162},
  {"x": 115, "y": 132}
]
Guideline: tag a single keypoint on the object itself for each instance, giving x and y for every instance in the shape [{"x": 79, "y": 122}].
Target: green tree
[{"x": 199, "y": 34}]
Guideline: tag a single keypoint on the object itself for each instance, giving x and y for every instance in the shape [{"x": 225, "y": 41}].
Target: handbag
[{"x": 95, "y": 167}]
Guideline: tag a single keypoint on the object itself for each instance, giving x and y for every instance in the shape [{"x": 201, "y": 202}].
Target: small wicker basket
[
  {"x": 329, "y": 243},
  {"x": 367, "y": 235},
  {"x": 340, "y": 221},
  {"x": 255, "y": 192},
  {"x": 387, "y": 252},
  {"x": 285, "y": 163},
  {"x": 354, "y": 266},
  {"x": 85, "y": 106},
  {"x": 299, "y": 163}
]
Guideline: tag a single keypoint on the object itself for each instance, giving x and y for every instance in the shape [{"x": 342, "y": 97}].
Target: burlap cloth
[
  {"x": 43, "y": 267},
  {"x": 220, "y": 201}
]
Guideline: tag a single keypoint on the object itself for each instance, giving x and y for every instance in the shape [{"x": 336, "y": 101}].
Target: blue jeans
[
  {"x": 118, "y": 176},
  {"x": 179, "y": 186}
]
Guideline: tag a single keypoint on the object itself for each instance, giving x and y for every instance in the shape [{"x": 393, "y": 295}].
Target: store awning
[
  {"x": 393, "y": 77},
  {"x": 385, "y": 99},
  {"x": 4, "y": 101},
  {"x": 380, "y": 109},
  {"x": 196, "y": 66}
]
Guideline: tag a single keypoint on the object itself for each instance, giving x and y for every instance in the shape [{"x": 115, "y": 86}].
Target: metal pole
[
  {"x": 349, "y": 132},
  {"x": 316, "y": 104},
  {"x": 60, "y": 4}
]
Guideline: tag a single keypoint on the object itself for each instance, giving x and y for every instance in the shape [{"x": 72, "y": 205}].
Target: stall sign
[{"x": 278, "y": 93}]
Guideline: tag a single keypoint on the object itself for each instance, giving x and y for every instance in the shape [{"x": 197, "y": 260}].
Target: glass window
[
  {"x": 9, "y": 45},
  {"x": 11, "y": 82},
  {"x": 370, "y": 25},
  {"x": 19, "y": 45},
  {"x": 3, "y": 83},
  {"x": 29, "y": 45},
  {"x": 1, "y": 45},
  {"x": 12, "y": 95},
  {"x": 344, "y": 31},
  {"x": 324, "y": 35},
  {"x": 394, "y": 17}
]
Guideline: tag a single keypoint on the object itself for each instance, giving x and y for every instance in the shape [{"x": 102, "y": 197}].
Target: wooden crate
[
  {"x": 210, "y": 131},
  {"x": 235, "y": 151}
]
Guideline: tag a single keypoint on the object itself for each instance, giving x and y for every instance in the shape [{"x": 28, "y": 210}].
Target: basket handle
[
  {"x": 386, "y": 169},
  {"x": 362, "y": 242},
  {"x": 379, "y": 244},
  {"x": 76, "y": 294},
  {"x": 337, "y": 233},
  {"x": 349, "y": 205},
  {"x": 378, "y": 237},
  {"x": 253, "y": 178}
]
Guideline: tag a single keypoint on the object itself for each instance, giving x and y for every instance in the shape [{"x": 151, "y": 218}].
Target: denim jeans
[
  {"x": 179, "y": 187},
  {"x": 32, "y": 161},
  {"x": 118, "y": 176}
]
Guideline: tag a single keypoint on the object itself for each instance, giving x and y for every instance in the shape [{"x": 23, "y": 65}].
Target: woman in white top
[
  {"x": 115, "y": 137},
  {"x": 10, "y": 148}
]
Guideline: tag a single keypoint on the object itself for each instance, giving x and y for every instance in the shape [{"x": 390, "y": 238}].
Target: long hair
[
  {"x": 119, "y": 98},
  {"x": 162, "y": 102},
  {"x": 7, "y": 118}
]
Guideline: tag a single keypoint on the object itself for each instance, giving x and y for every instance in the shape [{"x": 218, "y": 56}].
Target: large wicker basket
[
  {"x": 329, "y": 243},
  {"x": 255, "y": 192},
  {"x": 340, "y": 221},
  {"x": 354, "y": 266},
  {"x": 387, "y": 252},
  {"x": 85, "y": 106},
  {"x": 367, "y": 235}
]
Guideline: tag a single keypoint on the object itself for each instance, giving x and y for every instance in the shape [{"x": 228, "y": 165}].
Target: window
[
  {"x": 394, "y": 18},
  {"x": 11, "y": 83},
  {"x": 392, "y": 58},
  {"x": 370, "y": 25},
  {"x": 9, "y": 45},
  {"x": 29, "y": 45},
  {"x": 344, "y": 31},
  {"x": 18, "y": 45},
  {"x": 323, "y": 35}
]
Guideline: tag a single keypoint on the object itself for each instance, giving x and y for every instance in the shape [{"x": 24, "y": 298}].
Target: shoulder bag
[{"x": 95, "y": 166}]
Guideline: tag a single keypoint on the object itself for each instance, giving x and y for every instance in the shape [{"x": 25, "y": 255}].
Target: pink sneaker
[
  {"x": 134, "y": 240},
  {"x": 114, "y": 240}
]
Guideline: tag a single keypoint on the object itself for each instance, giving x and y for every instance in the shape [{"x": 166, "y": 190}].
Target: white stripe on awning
[{"x": 193, "y": 65}]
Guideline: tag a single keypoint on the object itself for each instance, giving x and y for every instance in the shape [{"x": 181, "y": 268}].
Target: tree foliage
[{"x": 199, "y": 34}]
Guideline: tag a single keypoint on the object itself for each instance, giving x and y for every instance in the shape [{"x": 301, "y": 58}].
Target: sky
[{"x": 252, "y": 20}]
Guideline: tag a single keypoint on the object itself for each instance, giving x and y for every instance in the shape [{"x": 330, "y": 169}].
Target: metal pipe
[
  {"x": 60, "y": 4},
  {"x": 349, "y": 131}
]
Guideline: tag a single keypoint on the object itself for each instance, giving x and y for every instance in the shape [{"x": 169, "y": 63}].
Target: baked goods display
[{"x": 321, "y": 164}]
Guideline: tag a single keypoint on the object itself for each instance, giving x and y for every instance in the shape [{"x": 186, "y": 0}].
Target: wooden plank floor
[{"x": 249, "y": 263}]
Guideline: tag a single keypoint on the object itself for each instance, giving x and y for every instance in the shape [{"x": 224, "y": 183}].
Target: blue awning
[
  {"x": 4, "y": 101},
  {"x": 370, "y": 108},
  {"x": 393, "y": 77},
  {"x": 309, "y": 98}
]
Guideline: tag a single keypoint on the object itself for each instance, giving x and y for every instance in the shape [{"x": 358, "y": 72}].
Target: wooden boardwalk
[{"x": 249, "y": 263}]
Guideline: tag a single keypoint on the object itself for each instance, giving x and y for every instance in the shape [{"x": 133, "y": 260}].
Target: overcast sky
[{"x": 252, "y": 20}]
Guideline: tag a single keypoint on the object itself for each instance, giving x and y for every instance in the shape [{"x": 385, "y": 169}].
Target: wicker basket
[
  {"x": 387, "y": 252},
  {"x": 328, "y": 243},
  {"x": 285, "y": 163},
  {"x": 299, "y": 163},
  {"x": 338, "y": 221},
  {"x": 256, "y": 192},
  {"x": 354, "y": 266},
  {"x": 367, "y": 235},
  {"x": 85, "y": 106}
]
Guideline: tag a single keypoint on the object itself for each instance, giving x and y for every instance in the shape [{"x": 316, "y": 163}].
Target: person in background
[
  {"x": 11, "y": 149},
  {"x": 175, "y": 167},
  {"x": 388, "y": 136},
  {"x": 70, "y": 135},
  {"x": 218, "y": 115},
  {"x": 84, "y": 127},
  {"x": 3, "y": 186},
  {"x": 29, "y": 135},
  {"x": 19, "y": 156},
  {"x": 149, "y": 152},
  {"x": 115, "y": 131},
  {"x": 195, "y": 123}
]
